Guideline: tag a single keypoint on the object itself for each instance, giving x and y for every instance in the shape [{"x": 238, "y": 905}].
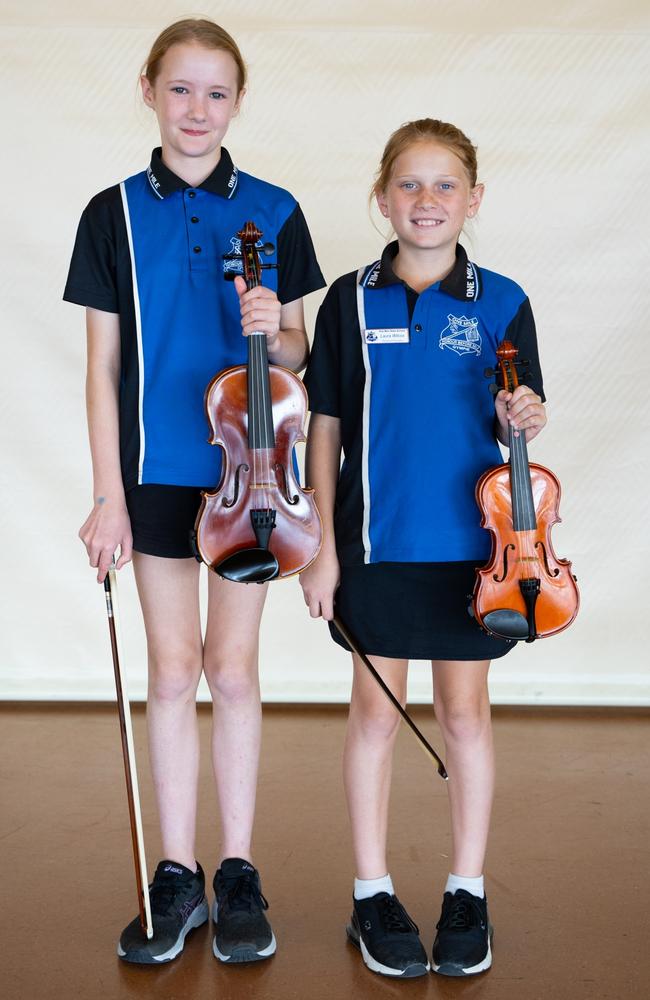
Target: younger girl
[
  {"x": 396, "y": 380},
  {"x": 162, "y": 320}
]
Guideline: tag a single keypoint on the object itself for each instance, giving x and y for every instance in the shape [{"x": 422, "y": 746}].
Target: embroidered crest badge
[
  {"x": 461, "y": 335},
  {"x": 233, "y": 267}
]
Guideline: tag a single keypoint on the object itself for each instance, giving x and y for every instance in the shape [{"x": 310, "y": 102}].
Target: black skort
[
  {"x": 162, "y": 519},
  {"x": 414, "y": 611}
]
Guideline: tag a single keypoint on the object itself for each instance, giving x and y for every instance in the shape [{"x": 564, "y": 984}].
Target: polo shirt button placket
[
  {"x": 419, "y": 338},
  {"x": 194, "y": 243}
]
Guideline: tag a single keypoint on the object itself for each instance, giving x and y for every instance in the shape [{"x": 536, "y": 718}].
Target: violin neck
[
  {"x": 523, "y": 508},
  {"x": 260, "y": 409}
]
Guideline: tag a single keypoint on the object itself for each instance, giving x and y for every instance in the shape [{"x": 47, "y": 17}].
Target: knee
[
  {"x": 230, "y": 681},
  {"x": 464, "y": 719},
  {"x": 375, "y": 721},
  {"x": 174, "y": 678}
]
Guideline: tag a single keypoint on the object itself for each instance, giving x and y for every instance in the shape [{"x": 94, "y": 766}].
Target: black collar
[
  {"x": 463, "y": 281},
  {"x": 163, "y": 181}
]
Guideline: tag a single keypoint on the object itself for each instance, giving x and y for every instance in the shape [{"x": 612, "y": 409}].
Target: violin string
[
  {"x": 264, "y": 382},
  {"x": 264, "y": 403},
  {"x": 516, "y": 485}
]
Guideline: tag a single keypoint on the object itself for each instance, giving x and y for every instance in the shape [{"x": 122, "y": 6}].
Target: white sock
[
  {"x": 364, "y": 888},
  {"x": 473, "y": 885}
]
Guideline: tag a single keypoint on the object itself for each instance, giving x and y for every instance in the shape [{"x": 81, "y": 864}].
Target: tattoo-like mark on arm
[{"x": 100, "y": 500}]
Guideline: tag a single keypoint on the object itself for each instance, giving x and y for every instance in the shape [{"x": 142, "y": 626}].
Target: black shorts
[
  {"x": 162, "y": 519},
  {"x": 414, "y": 611}
]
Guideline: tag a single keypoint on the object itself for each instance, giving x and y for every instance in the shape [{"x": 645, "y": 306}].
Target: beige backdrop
[{"x": 556, "y": 95}]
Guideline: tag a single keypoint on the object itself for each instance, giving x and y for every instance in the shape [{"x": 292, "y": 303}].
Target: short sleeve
[
  {"x": 322, "y": 377},
  {"x": 92, "y": 278},
  {"x": 521, "y": 332},
  {"x": 298, "y": 270}
]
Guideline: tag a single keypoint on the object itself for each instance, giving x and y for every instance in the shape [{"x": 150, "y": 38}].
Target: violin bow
[
  {"x": 423, "y": 742},
  {"x": 128, "y": 753}
]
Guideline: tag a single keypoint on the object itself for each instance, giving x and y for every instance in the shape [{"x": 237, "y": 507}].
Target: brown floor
[{"x": 567, "y": 873}]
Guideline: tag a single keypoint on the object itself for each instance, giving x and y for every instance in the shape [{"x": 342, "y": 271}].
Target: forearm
[
  {"x": 322, "y": 471},
  {"x": 104, "y": 436},
  {"x": 107, "y": 528},
  {"x": 102, "y": 406},
  {"x": 289, "y": 348},
  {"x": 320, "y": 580}
]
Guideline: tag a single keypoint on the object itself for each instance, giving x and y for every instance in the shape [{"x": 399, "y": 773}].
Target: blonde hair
[
  {"x": 423, "y": 130},
  {"x": 199, "y": 30}
]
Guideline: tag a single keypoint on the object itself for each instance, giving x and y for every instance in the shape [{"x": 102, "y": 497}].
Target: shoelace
[
  {"x": 462, "y": 914},
  {"x": 162, "y": 895},
  {"x": 395, "y": 917},
  {"x": 245, "y": 894}
]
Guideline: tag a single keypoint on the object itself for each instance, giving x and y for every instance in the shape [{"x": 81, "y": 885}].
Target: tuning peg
[
  {"x": 489, "y": 372},
  {"x": 494, "y": 388},
  {"x": 268, "y": 249}
]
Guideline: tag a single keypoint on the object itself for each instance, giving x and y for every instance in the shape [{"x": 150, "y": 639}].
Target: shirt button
[
  {"x": 418, "y": 328},
  {"x": 191, "y": 194},
  {"x": 194, "y": 218},
  {"x": 196, "y": 249}
]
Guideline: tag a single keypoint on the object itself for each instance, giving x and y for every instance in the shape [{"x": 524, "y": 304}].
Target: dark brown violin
[
  {"x": 524, "y": 591},
  {"x": 259, "y": 523}
]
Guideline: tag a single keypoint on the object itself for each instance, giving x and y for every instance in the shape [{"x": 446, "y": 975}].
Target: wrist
[
  {"x": 109, "y": 498},
  {"x": 273, "y": 344}
]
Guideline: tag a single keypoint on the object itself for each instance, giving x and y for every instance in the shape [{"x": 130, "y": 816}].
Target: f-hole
[
  {"x": 551, "y": 572},
  {"x": 500, "y": 579},
  {"x": 231, "y": 503}
]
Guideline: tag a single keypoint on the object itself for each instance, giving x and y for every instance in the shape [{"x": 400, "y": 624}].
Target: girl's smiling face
[
  {"x": 195, "y": 95},
  {"x": 428, "y": 197}
]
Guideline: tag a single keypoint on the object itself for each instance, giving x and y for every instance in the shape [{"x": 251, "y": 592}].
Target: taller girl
[
  {"x": 161, "y": 321},
  {"x": 396, "y": 380}
]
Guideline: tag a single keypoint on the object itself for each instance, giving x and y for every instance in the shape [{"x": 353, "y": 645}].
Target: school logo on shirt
[
  {"x": 234, "y": 267},
  {"x": 461, "y": 336}
]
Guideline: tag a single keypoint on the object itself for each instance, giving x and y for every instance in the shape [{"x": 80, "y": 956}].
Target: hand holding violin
[
  {"x": 259, "y": 523},
  {"x": 260, "y": 312},
  {"x": 522, "y": 410},
  {"x": 282, "y": 325},
  {"x": 525, "y": 591}
]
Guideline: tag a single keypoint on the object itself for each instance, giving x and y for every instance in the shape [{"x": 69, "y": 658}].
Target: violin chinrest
[
  {"x": 252, "y": 565},
  {"x": 506, "y": 623}
]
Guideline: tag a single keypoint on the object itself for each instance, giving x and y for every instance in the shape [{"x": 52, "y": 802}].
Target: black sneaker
[
  {"x": 241, "y": 931},
  {"x": 178, "y": 905},
  {"x": 463, "y": 944},
  {"x": 386, "y": 936}
]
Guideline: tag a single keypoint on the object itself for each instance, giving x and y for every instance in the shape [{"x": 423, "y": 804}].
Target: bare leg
[
  {"x": 168, "y": 591},
  {"x": 231, "y": 669},
  {"x": 368, "y": 758},
  {"x": 463, "y": 711}
]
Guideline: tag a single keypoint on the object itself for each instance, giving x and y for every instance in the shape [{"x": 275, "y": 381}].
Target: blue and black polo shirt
[
  {"x": 404, "y": 373},
  {"x": 151, "y": 249}
]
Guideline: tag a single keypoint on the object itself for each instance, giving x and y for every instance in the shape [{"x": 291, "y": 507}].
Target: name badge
[{"x": 398, "y": 335}]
